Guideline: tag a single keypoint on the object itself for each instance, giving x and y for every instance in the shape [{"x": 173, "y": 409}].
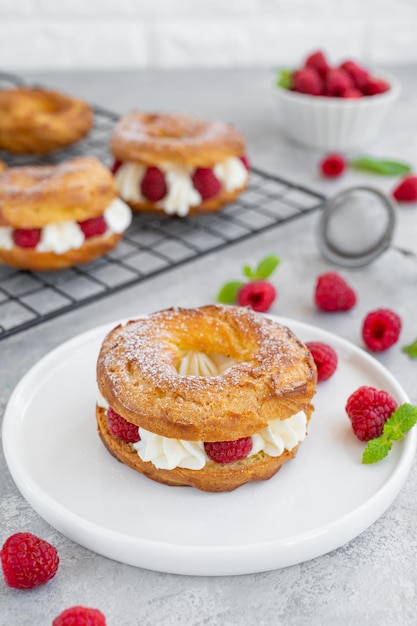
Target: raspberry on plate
[
  {"x": 80, "y": 616},
  {"x": 153, "y": 185},
  {"x": 28, "y": 561},
  {"x": 121, "y": 428},
  {"x": 333, "y": 165},
  {"x": 26, "y": 237},
  {"x": 93, "y": 227},
  {"x": 258, "y": 294},
  {"x": 333, "y": 293},
  {"x": 381, "y": 329},
  {"x": 206, "y": 183},
  {"x": 368, "y": 409},
  {"x": 228, "y": 451},
  {"x": 325, "y": 359}
]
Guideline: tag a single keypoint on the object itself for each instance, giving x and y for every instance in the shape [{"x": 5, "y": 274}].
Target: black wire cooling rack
[{"x": 151, "y": 245}]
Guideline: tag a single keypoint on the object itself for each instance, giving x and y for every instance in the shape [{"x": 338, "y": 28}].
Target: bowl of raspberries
[{"x": 334, "y": 107}]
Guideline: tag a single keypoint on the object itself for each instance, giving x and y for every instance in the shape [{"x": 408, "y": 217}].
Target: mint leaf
[
  {"x": 267, "y": 266},
  {"x": 284, "y": 79},
  {"x": 384, "y": 167},
  {"x": 248, "y": 272},
  {"x": 401, "y": 421},
  {"x": 228, "y": 293},
  {"x": 411, "y": 349},
  {"x": 376, "y": 450}
]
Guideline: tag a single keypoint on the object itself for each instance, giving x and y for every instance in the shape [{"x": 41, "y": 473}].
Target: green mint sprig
[
  {"x": 411, "y": 349},
  {"x": 284, "y": 79},
  {"x": 265, "y": 268},
  {"x": 395, "y": 428},
  {"x": 384, "y": 167}
]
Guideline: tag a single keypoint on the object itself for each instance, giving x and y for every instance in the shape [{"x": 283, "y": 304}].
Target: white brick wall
[{"x": 99, "y": 34}]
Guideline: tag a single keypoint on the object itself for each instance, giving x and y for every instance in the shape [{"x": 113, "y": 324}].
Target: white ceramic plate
[{"x": 319, "y": 501}]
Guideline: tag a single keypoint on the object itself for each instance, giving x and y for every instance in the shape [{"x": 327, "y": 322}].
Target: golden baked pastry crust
[
  {"x": 214, "y": 477},
  {"x": 40, "y": 121},
  {"x": 274, "y": 378},
  {"x": 34, "y": 196},
  {"x": 30, "y": 259},
  {"x": 155, "y": 138}
]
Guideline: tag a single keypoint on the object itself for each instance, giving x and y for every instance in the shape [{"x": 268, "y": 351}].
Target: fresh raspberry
[
  {"x": 359, "y": 75},
  {"x": 325, "y": 359},
  {"x": 333, "y": 165},
  {"x": 228, "y": 451},
  {"x": 317, "y": 61},
  {"x": 245, "y": 161},
  {"x": 337, "y": 82},
  {"x": 115, "y": 167},
  {"x": 368, "y": 410},
  {"x": 406, "y": 190},
  {"x": 93, "y": 227},
  {"x": 27, "y": 237},
  {"x": 333, "y": 293},
  {"x": 308, "y": 81},
  {"x": 375, "y": 86},
  {"x": 258, "y": 294},
  {"x": 80, "y": 616},
  {"x": 153, "y": 185},
  {"x": 28, "y": 561},
  {"x": 121, "y": 428},
  {"x": 206, "y": 183},
  {"x": 352, "y": 93},
  {"x": 381, "y": 329}
]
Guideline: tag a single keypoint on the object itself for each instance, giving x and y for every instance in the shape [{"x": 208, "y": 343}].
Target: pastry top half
[
  {"x": 39, "y": 121},
  {"x": 271, "y": 375},
  {"x": 156, "y": 138},
  {"x": 35, "y": 196}
]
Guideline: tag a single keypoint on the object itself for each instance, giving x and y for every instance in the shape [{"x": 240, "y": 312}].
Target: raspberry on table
[
  {"x": 206, "y": 183},
  {"x": 368, "y": 409},
  {"x": 153, "y": 185},
  {"x": 381, "y": 329},
  {"x": 308, "y": 81},
  {"x": 325, "y": 358},
  {"x": 333, "y": 293},
  {"x": 121, "y": 428},
  {"x": 228, "y": 451},
  {"x": 333, "y": 165},
  {"x": 28, "y": 561},
  {"x": 26, "y": 237},
  {"x": 406, "y": 190},
  {"x": 93, "y": 227},
  {"x": 80, "y": 616},
  {"x": 257, "y": 294}
]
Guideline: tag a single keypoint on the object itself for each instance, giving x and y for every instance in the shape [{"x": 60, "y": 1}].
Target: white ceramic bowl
[{"x": 325, "y": 123}]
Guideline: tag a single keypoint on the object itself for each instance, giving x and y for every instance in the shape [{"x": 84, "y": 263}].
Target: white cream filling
[
  {"x": 181, "y": 194},
  {"x": 64, "y": 236},
  {"x": 168, "y": 453}
]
